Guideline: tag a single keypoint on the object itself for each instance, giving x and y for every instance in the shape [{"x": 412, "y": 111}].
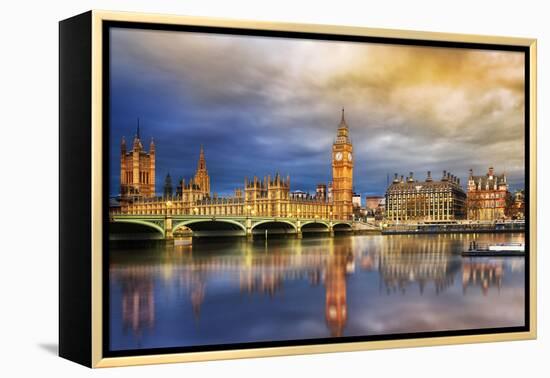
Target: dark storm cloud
[{"x": 261, "y": 105}]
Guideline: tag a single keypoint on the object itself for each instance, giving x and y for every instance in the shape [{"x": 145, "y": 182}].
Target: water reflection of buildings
[
  {"x": 336, "y": 312},
  {"x": 262, "y": 274},
  {"x": 485, "y": 274},
  {"x": 405, "y": 261},
  {"x": 138, "y": 300},
  {"x": 266, "y": 276},
  {"x": 197, "y": 291},
  {"x": 402, "y": 263}
]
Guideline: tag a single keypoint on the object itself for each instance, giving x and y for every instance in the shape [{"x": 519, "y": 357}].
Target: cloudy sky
[{"x": 261, "y": 105}]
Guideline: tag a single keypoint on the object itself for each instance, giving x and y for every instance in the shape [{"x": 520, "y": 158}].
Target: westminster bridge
[{"x": 162, "y": 226}]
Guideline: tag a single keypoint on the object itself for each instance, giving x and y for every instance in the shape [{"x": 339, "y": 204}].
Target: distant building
[
  {"x": 487, "y": 196},
  {"x": 517, "y": 210},
  {"x": 374, "y": 202},
  {"x": 299, "y": 194},
  {"x": 380, "y": 213},
  {"x": 137, "y": 170},
  {"x": 356, "y": 200},
  {"x": 410, "y": 200},
  {"x": 358, "y": 211},
  {"x": 375, "y": 206}
]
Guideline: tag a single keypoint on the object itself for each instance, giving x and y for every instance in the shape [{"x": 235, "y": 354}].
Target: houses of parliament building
[{"x": 270, "y": 196}]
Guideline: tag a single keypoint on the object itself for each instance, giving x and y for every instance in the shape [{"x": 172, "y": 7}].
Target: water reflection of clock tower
[{"x": 342, "y": 172}]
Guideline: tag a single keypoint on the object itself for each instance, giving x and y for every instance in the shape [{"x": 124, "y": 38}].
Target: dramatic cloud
[{"x": 260, "y": 105}]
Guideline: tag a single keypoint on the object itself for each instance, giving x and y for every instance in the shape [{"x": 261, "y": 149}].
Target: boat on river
[{"x": 501, "y": 249}]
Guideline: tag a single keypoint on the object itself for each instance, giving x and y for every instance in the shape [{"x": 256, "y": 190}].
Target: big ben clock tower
[{"x": 342, "y": 173}]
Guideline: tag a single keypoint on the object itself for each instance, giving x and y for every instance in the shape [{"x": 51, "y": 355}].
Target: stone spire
[
  {"x": 201, "y": 166},
  {"x": 343, "y": 120},
  {"x": 343, "y": 131},
  {"x": 137, "y": 140},
  {"x": 201, "y": 176}
]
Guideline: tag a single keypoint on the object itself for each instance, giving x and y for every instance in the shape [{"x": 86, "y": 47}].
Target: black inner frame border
[{"x": 107, "y": 25}]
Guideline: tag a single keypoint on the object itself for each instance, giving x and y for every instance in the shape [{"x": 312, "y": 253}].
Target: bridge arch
[
  {"x": 142, "y": 223},
  {"x": 275, "y": 221},
  {"x": 315, "y": 222},
  {"x": 315, "y": 227},
  {"x": 190, "y": 222},
  {"x": 342, "y": 226}
]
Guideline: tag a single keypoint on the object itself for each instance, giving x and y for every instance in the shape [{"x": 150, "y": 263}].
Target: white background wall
[{"x": 29, "y": 185}]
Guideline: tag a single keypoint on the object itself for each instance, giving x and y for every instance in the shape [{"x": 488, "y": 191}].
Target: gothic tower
[
  {"x": 168, "y": 190},
  {"x": 342, "y": 173},
  {"x": 137, "y": 169},
  {"x": 201, "y": 176}
]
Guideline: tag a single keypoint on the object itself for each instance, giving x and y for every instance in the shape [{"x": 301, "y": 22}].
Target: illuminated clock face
[
  {"x": 349, "y": 156},
  {"x": 338, "y": 156}
]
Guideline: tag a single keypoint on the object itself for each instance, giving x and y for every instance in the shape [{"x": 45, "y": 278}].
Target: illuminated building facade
[
  {"x": 518, "y": 206},
  {"x": 137, "y": 170},
  {"x": 342, "y": 172},
  {"x": 198, "y": 187},
  {"x": 487, "y": 196},
  {"x": 268, "y": 197},
  {"x": 410, "y": 200}
]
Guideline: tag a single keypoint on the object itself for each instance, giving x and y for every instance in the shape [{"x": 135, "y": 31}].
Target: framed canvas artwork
[{"x": 235, "y": 189}]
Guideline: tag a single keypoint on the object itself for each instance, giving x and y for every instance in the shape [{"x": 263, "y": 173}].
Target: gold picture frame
[{"x": 86, "y": 32}]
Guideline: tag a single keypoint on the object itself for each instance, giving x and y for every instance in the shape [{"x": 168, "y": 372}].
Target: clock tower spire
[{"x": 342, "y": 172}]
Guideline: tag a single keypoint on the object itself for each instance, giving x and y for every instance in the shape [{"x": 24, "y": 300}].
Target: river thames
[{"x": 223, "y": 291}]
